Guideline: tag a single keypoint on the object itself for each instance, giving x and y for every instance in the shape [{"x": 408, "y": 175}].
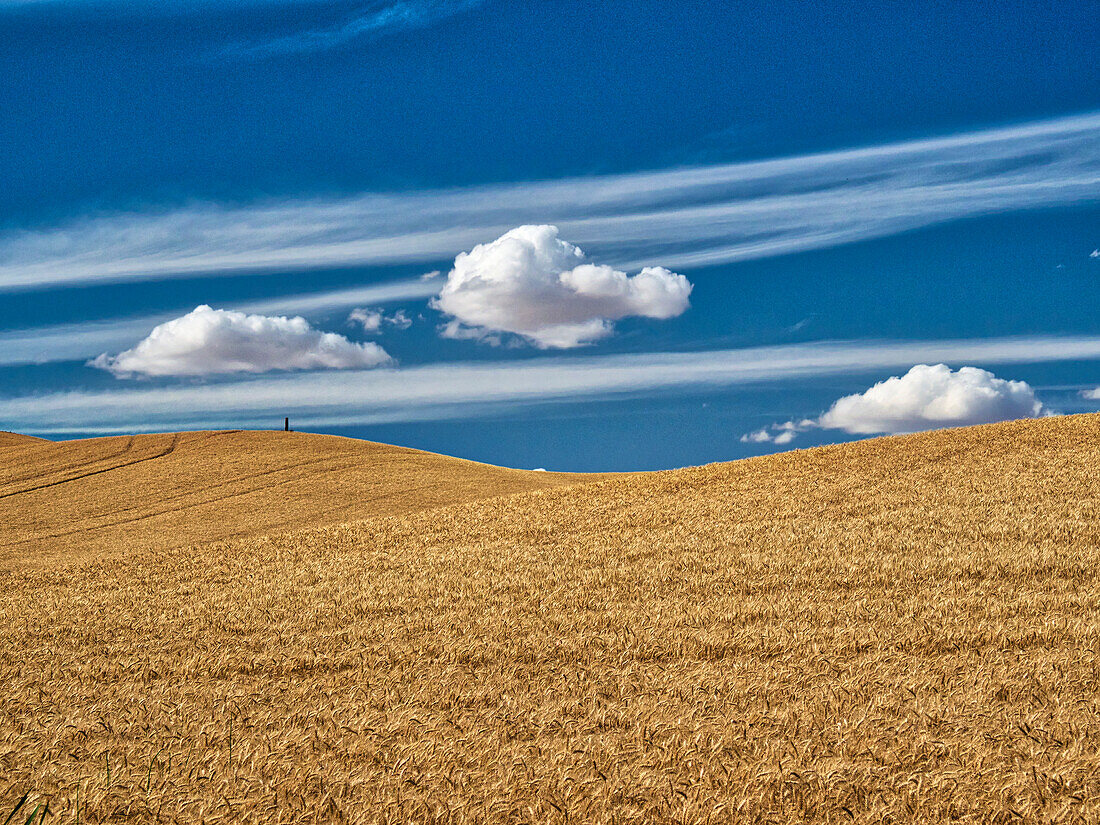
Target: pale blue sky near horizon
[{"x": 850, "y": 189}]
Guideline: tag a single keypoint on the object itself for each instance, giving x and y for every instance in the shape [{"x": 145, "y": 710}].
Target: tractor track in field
[
  {"x": 171, "y": 449},
  {"x": 127, "y": 447},
  {"x": 194, "y": 504}
]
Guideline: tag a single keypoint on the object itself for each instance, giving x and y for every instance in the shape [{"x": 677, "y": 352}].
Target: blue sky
[{"x": 763, "y": 212}]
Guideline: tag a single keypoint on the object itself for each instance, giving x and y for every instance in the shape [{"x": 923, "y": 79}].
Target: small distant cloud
[
  {"x": 1092, "y": 395},
  {"x": 801, "y": 325},
  {"x": 1095, "y": 253},
  {"x": 536, "y": 286},
  {"x": 431, "y": 276},
  {"x": 368, "y": 320},
  {"x": 371, "y": 321},
  {"x": 209, "y": 341},
  {"x": 925, "y": 398},
  {"x": 778, "y": 433}
]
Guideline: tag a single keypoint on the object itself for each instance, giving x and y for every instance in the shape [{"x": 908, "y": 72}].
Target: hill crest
[{"x": 105, "y": 495}]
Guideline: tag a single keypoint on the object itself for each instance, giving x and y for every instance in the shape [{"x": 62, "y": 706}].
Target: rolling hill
[
  {"x": 9, "y": 439},
  {"x": 903, "y": 629},
  {"x": 60, "y": 501}
]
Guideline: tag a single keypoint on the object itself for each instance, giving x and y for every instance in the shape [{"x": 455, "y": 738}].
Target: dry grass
[
  {"x": 71, "y": 499},
  {"x": 901, "y": 630}
]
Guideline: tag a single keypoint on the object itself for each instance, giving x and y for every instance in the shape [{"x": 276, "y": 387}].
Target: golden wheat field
[
  {"x": 106, "y": 495},
  {"x": 897, "y": 630}
]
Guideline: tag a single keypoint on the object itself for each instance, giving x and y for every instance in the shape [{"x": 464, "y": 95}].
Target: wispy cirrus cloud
[
  {"x": 678, "y": 218},
  {"x": 145, "y": 7},
  {"x": 371, "y": 21},
  {"x": 468, "y": 390}
]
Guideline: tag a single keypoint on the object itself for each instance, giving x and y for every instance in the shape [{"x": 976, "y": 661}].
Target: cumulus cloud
[
  {"x": 210, "y": 341},
  {"x": 371, "y": 321},
  {"x": 925, "y": 398},
  {"x": 533, "y": 284}
]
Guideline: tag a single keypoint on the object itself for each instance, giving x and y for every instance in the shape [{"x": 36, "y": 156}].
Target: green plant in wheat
[{"x": 38, "y": 812}]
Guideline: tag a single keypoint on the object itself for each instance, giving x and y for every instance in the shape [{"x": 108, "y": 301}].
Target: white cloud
[
  {"x": 210, "y": 341},
  {"x": 532, "y": 283},
  {"x": 78, "y": 342},
  {"x": 684, "y": 217},
  {"x": 777, "y": 433},
  {"x": 1095, "y": 253},
  {"x": 464, "y": 391},
  {"x": 368, "y": 320},
  {"x": 761, "y": 436},
  {"x": 371, "y": 321},
  {"x": 925, "y": 398}
]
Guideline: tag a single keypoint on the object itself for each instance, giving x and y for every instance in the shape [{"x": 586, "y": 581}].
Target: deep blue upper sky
[
  {"x": 109, "y": 103},
  {"x": 194, "y": 108}
]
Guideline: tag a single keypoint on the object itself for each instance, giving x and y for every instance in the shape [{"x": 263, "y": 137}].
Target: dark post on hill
[{"x": 286, "y": 425}]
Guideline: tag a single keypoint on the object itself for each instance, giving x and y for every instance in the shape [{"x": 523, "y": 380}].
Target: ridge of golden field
[
  {"x": 10, "y": 439},
  {"x": 63, "y": 501},
  {"x": 903, "y": 629}
]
